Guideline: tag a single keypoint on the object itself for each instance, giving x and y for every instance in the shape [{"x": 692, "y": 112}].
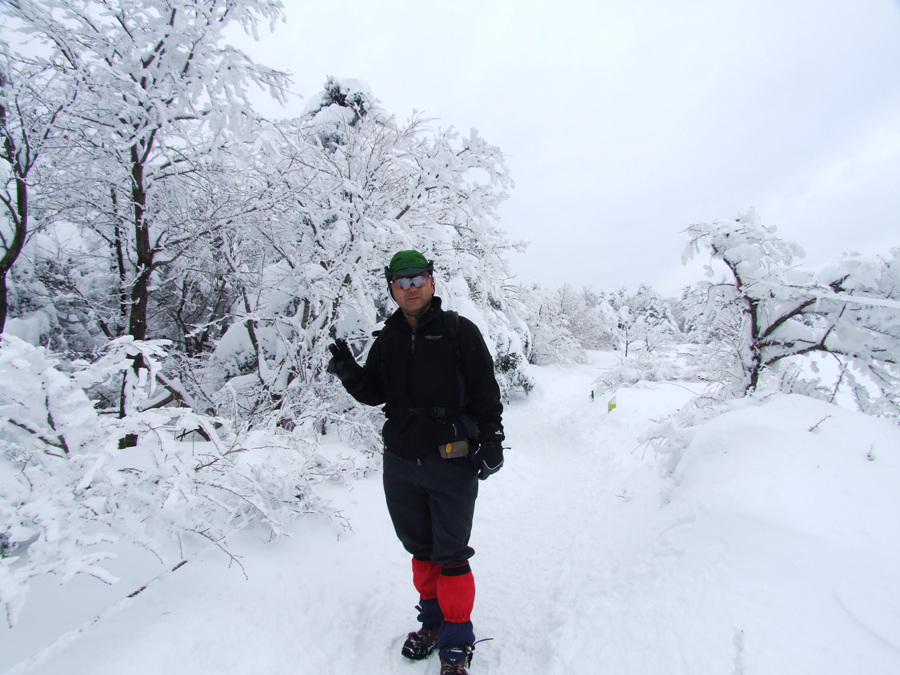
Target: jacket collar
[{"x": 398, "y": 320}]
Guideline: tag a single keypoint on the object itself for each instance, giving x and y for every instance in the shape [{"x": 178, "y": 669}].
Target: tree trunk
[
  {"x": 140, "y": 290},
  {"x": 753, "y": 374},
  {"x": 18, "y": 214},
  {"x": 20, "y": 222},
  {"x": 118, "y": 247},
  {"x": 4, "y": 302}
]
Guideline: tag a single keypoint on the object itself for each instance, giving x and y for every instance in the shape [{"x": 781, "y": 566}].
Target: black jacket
[{"x": 417, "y": 372}]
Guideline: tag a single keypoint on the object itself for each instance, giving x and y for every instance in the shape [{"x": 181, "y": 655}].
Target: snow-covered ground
[{"x": 773, "y": 548}]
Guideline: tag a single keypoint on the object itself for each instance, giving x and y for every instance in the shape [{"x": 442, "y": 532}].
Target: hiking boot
[
  {"x": 421, "y": 643},
  {"x": 455, "y": 660}
]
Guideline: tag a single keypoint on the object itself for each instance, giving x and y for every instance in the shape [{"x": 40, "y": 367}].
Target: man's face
[{"x": 416, "y": 298}]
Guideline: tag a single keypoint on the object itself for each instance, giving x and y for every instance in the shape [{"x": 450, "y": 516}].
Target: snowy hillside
[{"x": 774, "y": 548}]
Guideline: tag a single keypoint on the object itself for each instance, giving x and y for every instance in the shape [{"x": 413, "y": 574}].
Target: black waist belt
[{"x": 433, "y": 413}]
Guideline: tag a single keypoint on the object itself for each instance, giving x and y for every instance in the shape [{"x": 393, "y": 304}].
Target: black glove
[
  {"x": 488, "y": 459},
  {"x": 342, "y": 362}
]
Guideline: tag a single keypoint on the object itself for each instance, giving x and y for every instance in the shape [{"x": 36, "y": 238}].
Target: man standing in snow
[{"x": 432, "y": 371}]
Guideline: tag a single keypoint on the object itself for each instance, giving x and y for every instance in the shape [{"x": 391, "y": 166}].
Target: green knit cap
[{"x": 407, "y": 263}]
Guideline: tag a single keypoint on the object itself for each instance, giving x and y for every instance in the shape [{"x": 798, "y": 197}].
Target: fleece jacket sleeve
[
  {"x": 367, "y": 386},
  {"x": 482, "y": 391}
]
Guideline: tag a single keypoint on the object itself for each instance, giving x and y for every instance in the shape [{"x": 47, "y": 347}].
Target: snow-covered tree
[
  {"x": 848, "y": 310},
  {"x": 336, "y": 192},
  {"x": 27, "y": 127},
  {"x": 550, "y": 318},
  {"x": 156, "y": 100},
  {"x": 563, "y": 322},
  {"x": 652, "y": 319},
  {"x": 642, "y": 319},
  {"x": 595, "y": 322},
  {"x": 69, "y": 491},
  {"x": 156, "y": 95},
  {"x": 18, "y": 163}
]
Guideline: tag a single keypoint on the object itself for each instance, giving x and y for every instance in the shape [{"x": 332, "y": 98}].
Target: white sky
[{"x": 625, "y": 122}]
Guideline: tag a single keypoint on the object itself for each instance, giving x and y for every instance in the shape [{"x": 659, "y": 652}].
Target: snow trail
[{"x": 553, "y": 524}]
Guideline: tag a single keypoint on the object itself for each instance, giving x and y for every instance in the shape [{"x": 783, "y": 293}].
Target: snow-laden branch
[
  {"x": 59, "y": 513},
  {"x": 779, "y": 310}
]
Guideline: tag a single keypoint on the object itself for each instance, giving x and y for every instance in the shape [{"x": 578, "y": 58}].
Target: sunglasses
[{"x": 408, "y": 282}]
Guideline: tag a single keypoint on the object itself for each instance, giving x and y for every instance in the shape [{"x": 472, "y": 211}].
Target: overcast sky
[{"x": 625, "y": 122}]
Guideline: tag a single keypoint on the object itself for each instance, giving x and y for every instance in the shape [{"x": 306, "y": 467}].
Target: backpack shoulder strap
[
  {"x": 453, "y": 334},
  {"x": 453, "y": 324}
]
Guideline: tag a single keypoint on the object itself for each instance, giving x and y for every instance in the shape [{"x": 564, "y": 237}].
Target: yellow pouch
[{"x": 455, "y": 449}]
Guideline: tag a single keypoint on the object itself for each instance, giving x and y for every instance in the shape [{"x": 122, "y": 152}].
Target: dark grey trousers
[{"x": 432, "y": 502}]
